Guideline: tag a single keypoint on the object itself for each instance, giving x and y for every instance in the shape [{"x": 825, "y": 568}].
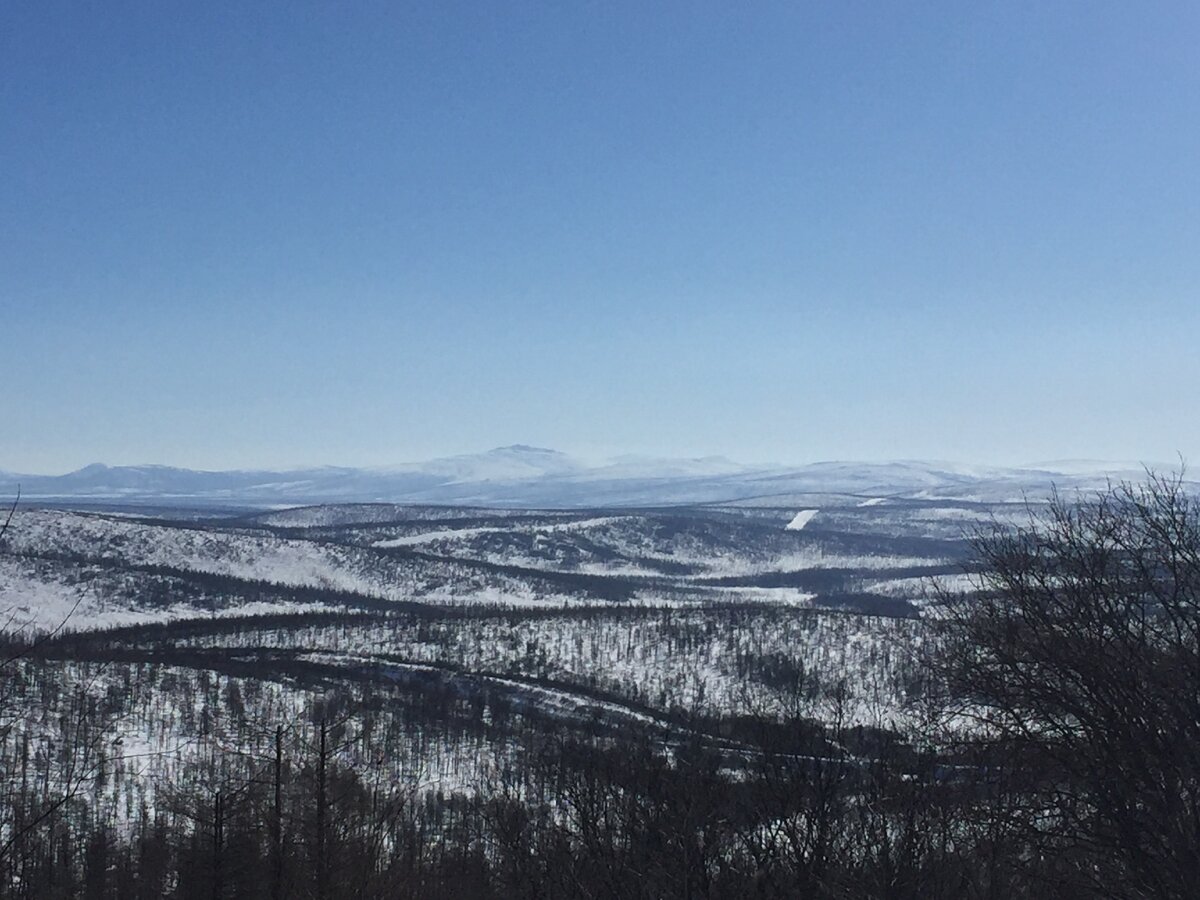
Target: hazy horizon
[{"x": 594, "y": 460}]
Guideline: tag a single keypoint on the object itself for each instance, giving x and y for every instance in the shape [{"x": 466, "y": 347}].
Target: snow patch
[
  {"x": 427, "y": 537},
  {"x": 801, "y": 519}
]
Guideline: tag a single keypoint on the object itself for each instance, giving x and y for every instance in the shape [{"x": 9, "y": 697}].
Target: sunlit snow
[{"x": 801, "y": 519}]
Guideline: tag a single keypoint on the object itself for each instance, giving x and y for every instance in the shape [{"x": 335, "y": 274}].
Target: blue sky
[{"x": 248, "y": 234}]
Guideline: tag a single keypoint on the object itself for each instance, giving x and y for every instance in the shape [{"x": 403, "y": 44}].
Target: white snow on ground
[
  {"x": 561, "y": 701},
  {"x": 155, "y": 734},
  {"x": 922, "y": 587},
  {"x": 429, "y": 537},
  {"x": 259, "y": 557},
  {"x": 38, "y": 598},
  {"x": 801, "y": 519},
  {"x": 666, "y": 660},
  {"x": 809, "y": 558},
  {"x": 94, "y": 568},
  {"x": 874, "y": 501},
  {"x": 349, "y": 514},
  {"x": 773, "y": 596}
]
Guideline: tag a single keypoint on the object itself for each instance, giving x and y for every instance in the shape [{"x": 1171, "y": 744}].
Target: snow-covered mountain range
[{"x": 524, "y": 476}]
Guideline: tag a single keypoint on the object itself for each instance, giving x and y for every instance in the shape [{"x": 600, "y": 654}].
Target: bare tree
[
  {"x": 12, "y": 510},
  {"x": 1077, "y": 663},
  {"x": 80, "y": 745}
]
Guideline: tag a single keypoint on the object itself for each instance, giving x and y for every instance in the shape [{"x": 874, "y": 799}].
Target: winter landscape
[
  {"x": 171, "y": 655},
  {"x": 599, "y": 451}
]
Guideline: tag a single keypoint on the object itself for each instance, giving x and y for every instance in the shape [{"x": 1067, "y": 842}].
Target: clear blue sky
[{"x": 237, "y": 234}]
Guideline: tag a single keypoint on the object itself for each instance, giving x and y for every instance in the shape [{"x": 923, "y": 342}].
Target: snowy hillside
[{"x": 102, "y": 569}]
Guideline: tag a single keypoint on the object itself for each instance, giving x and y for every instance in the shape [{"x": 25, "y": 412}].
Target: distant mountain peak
[
  {"x": 525, "y": 449},
  {"x": 525, "y": 475}
]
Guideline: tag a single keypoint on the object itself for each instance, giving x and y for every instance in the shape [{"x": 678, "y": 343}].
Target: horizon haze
[{"x": 522, "y": 476}]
